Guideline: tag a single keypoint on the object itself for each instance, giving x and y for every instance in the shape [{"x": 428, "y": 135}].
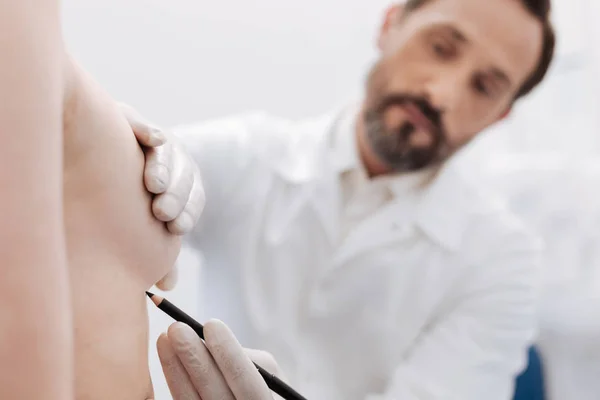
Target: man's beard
[{"x": 393, "y": 146}]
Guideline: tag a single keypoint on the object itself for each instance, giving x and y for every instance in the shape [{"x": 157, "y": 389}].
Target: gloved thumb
[
  {"x": 169, "y": 281},
  {"x": 146, "y": 133}
]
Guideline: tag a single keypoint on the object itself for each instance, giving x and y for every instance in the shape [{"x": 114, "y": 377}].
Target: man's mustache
[{"x": 431, "y": 113}]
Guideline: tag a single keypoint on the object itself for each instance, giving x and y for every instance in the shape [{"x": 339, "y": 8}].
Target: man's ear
[{"x": 392, "y": 15}]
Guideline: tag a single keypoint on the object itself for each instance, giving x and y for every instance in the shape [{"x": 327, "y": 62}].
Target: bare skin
[
  {"x": 112, "y": 243},
  {"x": 77, "y": 250},
  {"x": 35, "y": 324}
]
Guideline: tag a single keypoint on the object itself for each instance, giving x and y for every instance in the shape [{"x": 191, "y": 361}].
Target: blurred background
[{"x": 182, "y": 61}]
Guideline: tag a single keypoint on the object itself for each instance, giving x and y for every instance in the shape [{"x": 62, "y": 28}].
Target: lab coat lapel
[
  {"x": 321, "y": 195},
  {"x": 310, "y": 175},
  {"x": 325, "y": 199},
  {"x": 323, "y": 189},
  {"x": 382, "y": 229},
  {"x": 327, "y": 192},
  {"x": 447, "y": 207}
]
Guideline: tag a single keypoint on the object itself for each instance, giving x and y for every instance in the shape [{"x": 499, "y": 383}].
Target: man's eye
[
  {"x": 481, "y": 88},
  {"x": 443, "y": 50}
]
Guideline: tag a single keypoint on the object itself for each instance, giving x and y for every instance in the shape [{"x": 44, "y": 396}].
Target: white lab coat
[{"x": 436, "y": 304}]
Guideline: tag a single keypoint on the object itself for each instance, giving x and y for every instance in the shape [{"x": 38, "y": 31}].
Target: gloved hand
[
  {"x": 172, "y": 175},
  {"x": 216, "y": 369}
]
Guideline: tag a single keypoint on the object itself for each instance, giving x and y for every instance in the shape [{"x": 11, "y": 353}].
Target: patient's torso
[{"x": 116, "y": 248}]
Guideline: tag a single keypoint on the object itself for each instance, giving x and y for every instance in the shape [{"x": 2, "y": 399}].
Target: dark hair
[{"x": 541, "y": 10}]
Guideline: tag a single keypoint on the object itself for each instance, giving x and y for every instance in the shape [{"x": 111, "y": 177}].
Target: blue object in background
[{"x": 530, "y": 384}]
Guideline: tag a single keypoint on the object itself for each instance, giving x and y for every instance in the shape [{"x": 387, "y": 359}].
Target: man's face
[{"x": 448, "y": 70}]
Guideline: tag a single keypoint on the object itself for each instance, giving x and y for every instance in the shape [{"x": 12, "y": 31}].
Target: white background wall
[{"x": 180, "y": 61}]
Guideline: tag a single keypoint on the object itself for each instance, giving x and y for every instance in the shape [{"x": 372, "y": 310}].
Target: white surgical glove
[
  {"x": 170, "y": 173},
  {"x": 216, "y": 369}
]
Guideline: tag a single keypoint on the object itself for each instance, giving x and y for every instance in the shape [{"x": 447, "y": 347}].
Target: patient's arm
[{"x": 35, "y": 327}]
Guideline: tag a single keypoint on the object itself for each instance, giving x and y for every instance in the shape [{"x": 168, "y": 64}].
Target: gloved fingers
[
  {"x": 178, "y": 380},
  {"x": 185, "y": 222},
  {"x": 267, "y": 361},
  {"x": 158, "y": 168},
  {"x": 146, "y": 133},
  {"x": 169, "y": 281},
  {"x": 170, "y": 204},
  {"x": 240, "y": 373},
  {"x": 199, "y": 364}
]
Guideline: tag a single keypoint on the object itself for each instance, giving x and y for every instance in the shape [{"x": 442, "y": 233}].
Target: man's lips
[{"x": 418, "y": 118}]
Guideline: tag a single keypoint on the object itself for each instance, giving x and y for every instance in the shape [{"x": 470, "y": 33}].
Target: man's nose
[{"x": 446, "y": 93}]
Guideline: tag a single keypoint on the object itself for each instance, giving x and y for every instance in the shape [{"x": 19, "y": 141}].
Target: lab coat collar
[{"x": 445, "y": 198}]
